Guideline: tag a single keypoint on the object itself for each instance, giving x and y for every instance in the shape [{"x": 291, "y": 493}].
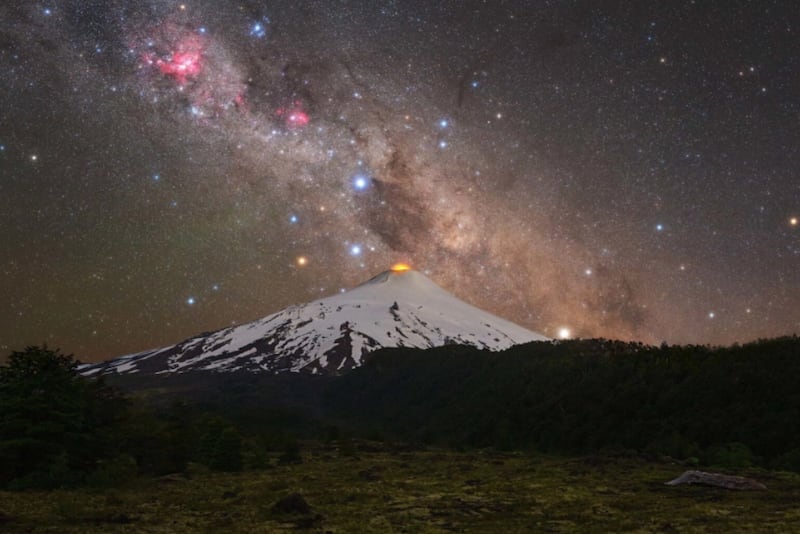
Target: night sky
[{"x": 618, "y": 169}]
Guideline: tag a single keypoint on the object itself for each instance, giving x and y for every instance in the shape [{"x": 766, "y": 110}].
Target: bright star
[
  {"x": 355, "y": 250},
  {"x": 257, "y": 30},
  {"x": 794, "y": 221},
  {"x": 564, "y": 333},
  {"x": 443, "y": 123},
  {"x": 301, "y": 261},
  {"x": 659, "y": 227},
  {"x": 442, "y": 144},
  {"x": 293, "y": 219},
  {"x": 190, "y": 301},
  {"x": 360, "y": 182}
]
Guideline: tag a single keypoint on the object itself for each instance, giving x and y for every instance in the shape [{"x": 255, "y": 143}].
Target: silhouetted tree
[{"x": 55, "y": 425}]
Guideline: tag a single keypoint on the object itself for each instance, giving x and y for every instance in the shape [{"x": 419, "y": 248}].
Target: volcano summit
[{"x": 397, "y": 308}]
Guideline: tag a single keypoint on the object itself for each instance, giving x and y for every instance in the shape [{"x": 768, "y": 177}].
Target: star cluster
[{"x": 582, "y": 168}]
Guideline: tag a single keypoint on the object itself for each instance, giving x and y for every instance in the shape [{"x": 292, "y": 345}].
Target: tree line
[
  {"x": 735, "y": 405},
  {"x": 730, "y": 406}
]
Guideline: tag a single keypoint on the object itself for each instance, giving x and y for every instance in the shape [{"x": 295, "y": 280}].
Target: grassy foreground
[{"x": 425, "y": 491}]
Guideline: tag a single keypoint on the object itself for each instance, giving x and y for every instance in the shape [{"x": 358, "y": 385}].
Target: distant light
[
  {"x": 659, "y": 227},
  {"x": 475, "y": 84},
  {"x": 564, "y": 333},
  {"x": 202, "y": 29},
  {"x": 156, "y": 177},
  {"x": 34, "y": 157},
  {"x": 442, "y": 144},
  {"x": 215, "y": 287},
  {"x": 360, "y": 182},
  {"x": 443, "y": 123},
  {"x": 355, "y": 250},
  {"x": 794, "y": 221},
  {"x": 47, "y": 11},
  {"x": 711, "y": 315},
  {"x": 400, "y": 267},
  {"x": 588, "y": 272},
  {"x": 191, "y": 301},
  {"x": 293, "y": 219},
  {"x": 301, "y": 261}
]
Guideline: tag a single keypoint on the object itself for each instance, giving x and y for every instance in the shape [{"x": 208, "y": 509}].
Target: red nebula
[
  {"x": 181, "y": 66},
  {"x": 295, "y": 117},
  {"x": 182, "y": 60}
]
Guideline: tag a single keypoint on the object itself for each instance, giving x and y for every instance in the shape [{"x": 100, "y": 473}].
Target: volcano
[{"x": 397, "y": 308}]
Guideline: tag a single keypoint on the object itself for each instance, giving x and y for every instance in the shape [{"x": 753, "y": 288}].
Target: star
[{"x": 360, "y": 182}]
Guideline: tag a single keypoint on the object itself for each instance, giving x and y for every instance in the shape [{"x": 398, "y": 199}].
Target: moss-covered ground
[{"x": 417, "y": 492}]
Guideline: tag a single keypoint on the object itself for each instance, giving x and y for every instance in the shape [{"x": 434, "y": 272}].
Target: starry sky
[{"x": 582, "y": 167}]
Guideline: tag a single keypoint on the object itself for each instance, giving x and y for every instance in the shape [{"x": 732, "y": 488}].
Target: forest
[{"x": 730, "y": 407}]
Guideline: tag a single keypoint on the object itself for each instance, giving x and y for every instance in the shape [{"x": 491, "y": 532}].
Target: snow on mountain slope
[{"x": 397, "y": 308}]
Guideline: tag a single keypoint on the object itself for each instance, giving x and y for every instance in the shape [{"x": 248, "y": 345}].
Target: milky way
[{"x": 581, "y": 168}]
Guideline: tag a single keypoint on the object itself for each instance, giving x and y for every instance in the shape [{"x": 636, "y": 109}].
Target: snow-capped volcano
[{"x": 397, "y": 308}]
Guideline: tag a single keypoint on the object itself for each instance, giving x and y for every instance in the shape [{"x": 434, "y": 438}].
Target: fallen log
[{"x": 718, "y": 480}]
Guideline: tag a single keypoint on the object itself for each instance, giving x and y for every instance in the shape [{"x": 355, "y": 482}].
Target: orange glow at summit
[{"x": 400, "y": 267}]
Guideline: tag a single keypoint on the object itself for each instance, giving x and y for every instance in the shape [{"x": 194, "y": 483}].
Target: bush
[
  {"x": 114, "y": 472},
  {"x": 732, "y": 455}
]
